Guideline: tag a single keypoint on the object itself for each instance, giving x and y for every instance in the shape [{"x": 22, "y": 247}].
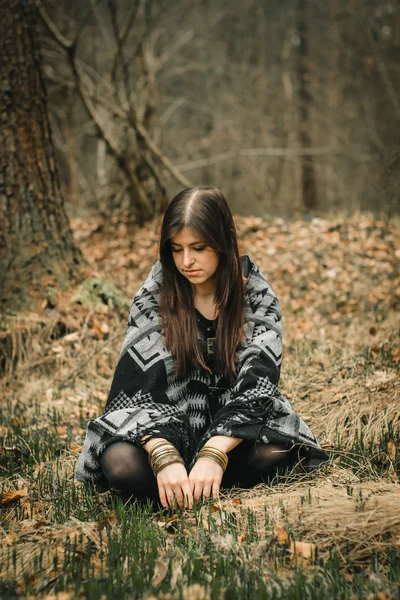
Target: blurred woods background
[
  {"x": 288, "y": 106},
  {"x": 291, "y": 108}
]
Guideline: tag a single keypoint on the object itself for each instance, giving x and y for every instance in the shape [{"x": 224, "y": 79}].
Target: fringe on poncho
[{"x": 146, "y": 400}]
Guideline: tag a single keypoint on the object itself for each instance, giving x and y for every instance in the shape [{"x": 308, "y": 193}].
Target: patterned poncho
[{"x": 147, "y": 401}]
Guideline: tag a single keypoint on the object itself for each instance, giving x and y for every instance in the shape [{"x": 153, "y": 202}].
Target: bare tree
[
  {"x": 119, "y": 111},
  {"x": 37, "y": 248},
  {"x": 287, "y": 106}
]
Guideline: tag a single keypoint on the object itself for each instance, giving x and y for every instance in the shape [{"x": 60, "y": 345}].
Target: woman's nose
[{"x": 187, "y": 258}]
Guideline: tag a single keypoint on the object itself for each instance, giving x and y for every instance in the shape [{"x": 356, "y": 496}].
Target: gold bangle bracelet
[
  {"x": 161, "y": 448},
  {"x": 162, "y": 451},
  {"x": 162, "y": 456},
  {"x": 159, "y": 468},
  {"x": 158, "y": 459},
  {"x": 216, "y": 451},
  {"x": 223, "y": 459},
  {"x": 215, "y": 454},
  {"x": 213, "y": 458},
  {"x": 160, "y": 445}
]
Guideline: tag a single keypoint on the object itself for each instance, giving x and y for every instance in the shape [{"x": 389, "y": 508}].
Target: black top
[{"x": 207, "y": 331}]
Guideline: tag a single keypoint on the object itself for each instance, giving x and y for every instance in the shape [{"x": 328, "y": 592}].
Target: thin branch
[
  {"x": 390, "y": 89},
  {"x": 135, "y": 185},
  {"x": 274, "y": 152},
  {"x": 59, "y": 37},
  {"x": 316, "y": 151},
  {"x": 82, "y": 24},
  {"x": 123, "y": 37}
]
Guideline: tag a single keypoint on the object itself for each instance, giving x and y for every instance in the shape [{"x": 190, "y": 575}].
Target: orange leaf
[
  {"x": 99, "y": 395},
  {"x": 214, "y": 508},
  {"x": 61, "y": 429},
  {"x": 281, "y": 535},
  {"x": 236, "y": 501},
  {"x": 396, "y": 355},
  {"x": 391, "y": 450},
  {"x": 12, "y": 495},
  {"x": 173, "y": 518},
  {"x": 302, "y": 553}
]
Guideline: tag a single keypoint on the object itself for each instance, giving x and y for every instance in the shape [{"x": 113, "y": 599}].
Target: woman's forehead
[{"x": 186, "y": 237}]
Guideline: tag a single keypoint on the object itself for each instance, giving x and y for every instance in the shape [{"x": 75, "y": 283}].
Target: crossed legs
[{"x": 126, "y": 467}]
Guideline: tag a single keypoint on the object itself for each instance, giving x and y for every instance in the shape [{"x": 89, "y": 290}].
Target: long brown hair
[{"x": 206, "y": 212}]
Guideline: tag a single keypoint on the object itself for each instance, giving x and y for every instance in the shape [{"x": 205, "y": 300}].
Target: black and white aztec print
[{"x": 146, "y": 400}]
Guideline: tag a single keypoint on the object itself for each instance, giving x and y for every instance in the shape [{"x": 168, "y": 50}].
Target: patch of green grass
[{"x": 94, "y": 546}]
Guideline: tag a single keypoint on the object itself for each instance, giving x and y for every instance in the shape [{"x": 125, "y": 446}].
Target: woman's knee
[
  {"x": 266, "y": 457},
  {"x": 122, "y": 464}
]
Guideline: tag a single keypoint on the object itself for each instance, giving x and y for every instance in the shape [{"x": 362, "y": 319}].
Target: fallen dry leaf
[
  {"x": 306, "y": 550},
  {"x": 74, "y": 448},
  {"x": 281, "y": 535},
  {"x": 379, "y": 380},
  {"x": 99, "y": 395},
  {"x": 12, "y": 495},
  {"x": 195, "y": 592},
  {"x": 391, "y": 450},
  {"x": 160, "y": 571},
  {"x": 396, "y": 355}
]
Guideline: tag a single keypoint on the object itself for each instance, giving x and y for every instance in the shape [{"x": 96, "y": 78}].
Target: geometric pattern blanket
[{"x": 147, "y": 400}]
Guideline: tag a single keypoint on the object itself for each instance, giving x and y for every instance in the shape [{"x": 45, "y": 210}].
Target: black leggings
[{"x": 126, "y": 467}]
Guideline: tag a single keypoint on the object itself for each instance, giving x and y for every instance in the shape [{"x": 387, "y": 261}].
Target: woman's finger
[
  {"x": 174, "y": 496},
  {"x": 207, "y": 490},
  {"x": 198, "y": 491},
  {"x": 163, "y": 497},
  {"x": 215, "y": 490},
  {"x": 188, "y": 495},
  {"x": 178, "y": 496}
]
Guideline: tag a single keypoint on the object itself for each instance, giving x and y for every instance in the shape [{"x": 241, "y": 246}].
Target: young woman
[{"x": 194, "y": 404}]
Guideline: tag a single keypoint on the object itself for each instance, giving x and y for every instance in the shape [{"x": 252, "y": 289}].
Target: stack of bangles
[
  {"x": 219, "y": 456},
  {"x": 162, "y": 454}
]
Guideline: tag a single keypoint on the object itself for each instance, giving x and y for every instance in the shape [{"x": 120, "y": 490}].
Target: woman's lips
[{"x": 192, "y": 273}]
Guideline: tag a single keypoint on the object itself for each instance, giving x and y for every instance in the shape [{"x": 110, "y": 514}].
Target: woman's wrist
[
  {"x": 151, "y": 443},
  {"x": 162, "y": 454},
  {"x": 214, "y": 454},
  {"x": 222, "y": 442}
]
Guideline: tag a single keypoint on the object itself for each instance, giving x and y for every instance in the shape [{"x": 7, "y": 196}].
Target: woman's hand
[
  {"x": 174, "y": 486},
  {"x": 205, "y": 478}
]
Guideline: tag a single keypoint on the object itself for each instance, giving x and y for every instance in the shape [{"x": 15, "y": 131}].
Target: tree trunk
[
  {"x": 36, "y": 244},
  {"x": 304, "y": 103}
]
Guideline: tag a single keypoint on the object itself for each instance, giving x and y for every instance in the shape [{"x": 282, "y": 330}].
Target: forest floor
[{"x": 334, "y": 534}]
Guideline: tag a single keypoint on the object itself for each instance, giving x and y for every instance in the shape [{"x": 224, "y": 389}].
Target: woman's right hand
[{"x": 173, "y": 486}]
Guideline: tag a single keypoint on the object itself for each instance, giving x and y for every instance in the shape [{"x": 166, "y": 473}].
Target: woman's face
[{"x": 193, "y": 258}]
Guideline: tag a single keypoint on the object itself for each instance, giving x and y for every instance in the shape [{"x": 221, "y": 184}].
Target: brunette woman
[{"x": 194, "y": 404}]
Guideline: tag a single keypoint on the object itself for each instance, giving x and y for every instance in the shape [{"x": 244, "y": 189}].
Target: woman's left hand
[{"x": 205, "y": 478}]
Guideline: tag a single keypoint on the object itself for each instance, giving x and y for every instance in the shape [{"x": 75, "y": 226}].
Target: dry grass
[
  {"x": 334, "y": 512},
  {"x": 340, "y": 372}
]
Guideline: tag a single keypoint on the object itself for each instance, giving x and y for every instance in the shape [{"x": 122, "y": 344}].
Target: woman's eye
[{"x": 197, "y": 248}]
